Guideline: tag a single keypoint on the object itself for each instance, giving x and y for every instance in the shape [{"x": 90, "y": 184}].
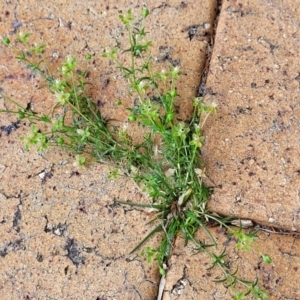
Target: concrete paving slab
[
  {"x": 252, "y": 144},
  {"x": 251, "y": 150},
  {"x": 189, "y": 278},
  {"x": 62, "y": 236},
  {"x": 65, "y": 238}
]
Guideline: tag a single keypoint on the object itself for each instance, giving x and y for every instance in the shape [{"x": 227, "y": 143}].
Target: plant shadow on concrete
[{"x": 166, "y": 164}]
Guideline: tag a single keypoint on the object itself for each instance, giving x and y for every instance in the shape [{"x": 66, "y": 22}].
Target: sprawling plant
[{"x": 166, "y": 164}]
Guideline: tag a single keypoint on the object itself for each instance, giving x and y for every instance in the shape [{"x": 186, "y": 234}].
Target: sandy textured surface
[
  {"x": 62, "y": 236},
  {"x": 251, "y": 150},
  {"x": 252, "y": 145},
  {"x": 189, "y": 277}
]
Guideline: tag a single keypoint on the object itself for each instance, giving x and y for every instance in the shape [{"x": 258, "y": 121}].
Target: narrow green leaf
[
  {"x": 156, "y": 206},
  {"x": 156, "y": 229},
  {"x": 145, "y": 12},
  {"x": 5, "y": 41}
]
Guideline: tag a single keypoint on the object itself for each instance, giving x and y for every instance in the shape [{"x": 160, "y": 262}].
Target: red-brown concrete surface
[
  {"x": 252, "y": 143},
  {"x": 62, "y": 236},
  {"x": 251, "y": 150}
]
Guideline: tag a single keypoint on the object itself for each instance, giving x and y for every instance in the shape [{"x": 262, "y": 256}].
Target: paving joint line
[
  {"x": 201, "y": 93},
  {"x": 209, "y": 51}
]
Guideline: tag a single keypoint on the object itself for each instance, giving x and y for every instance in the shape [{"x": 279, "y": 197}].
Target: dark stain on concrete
[{"x": 74, "y": 252}]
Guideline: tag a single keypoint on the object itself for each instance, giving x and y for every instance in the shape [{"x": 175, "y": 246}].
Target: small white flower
[
  {"x": 184, "y": 196},
  {"x": 200, "y": 173},
  {"x": 170, "y": 172},
  {"x": 197, "y": 128},
  {"x": 64, "y": 70},
  {"x": 21, "y": 34},
  {"x": 69, "y": 59},
  {"x": 214, "y": 104},
  {"x": 134, "y": 169},
  {"x": 62, "y": 97},
  {"x": 142, "y": 85},
  {"x": 57, "y": 82},
  {"x": 125, "y": 126},
  {"x": 79, "y": 161},
  {"x": 80, "y": 131},
  {"x": 176, "y": 69},
  {"x": 207, "y": 26}
]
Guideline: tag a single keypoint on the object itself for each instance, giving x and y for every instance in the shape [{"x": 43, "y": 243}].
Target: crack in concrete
[
  {"x": 180, "y": 285},
  {"x": 209, "y": 49},
  {"x": 17, "y": 217},
  {"x": 16, "y": 24},
  {"x": 12, "y": 246},
  {"x": 131, "y": 287}
]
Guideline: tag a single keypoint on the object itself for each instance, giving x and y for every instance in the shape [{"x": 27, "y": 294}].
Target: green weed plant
[{"x": 166, "y": 164}]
